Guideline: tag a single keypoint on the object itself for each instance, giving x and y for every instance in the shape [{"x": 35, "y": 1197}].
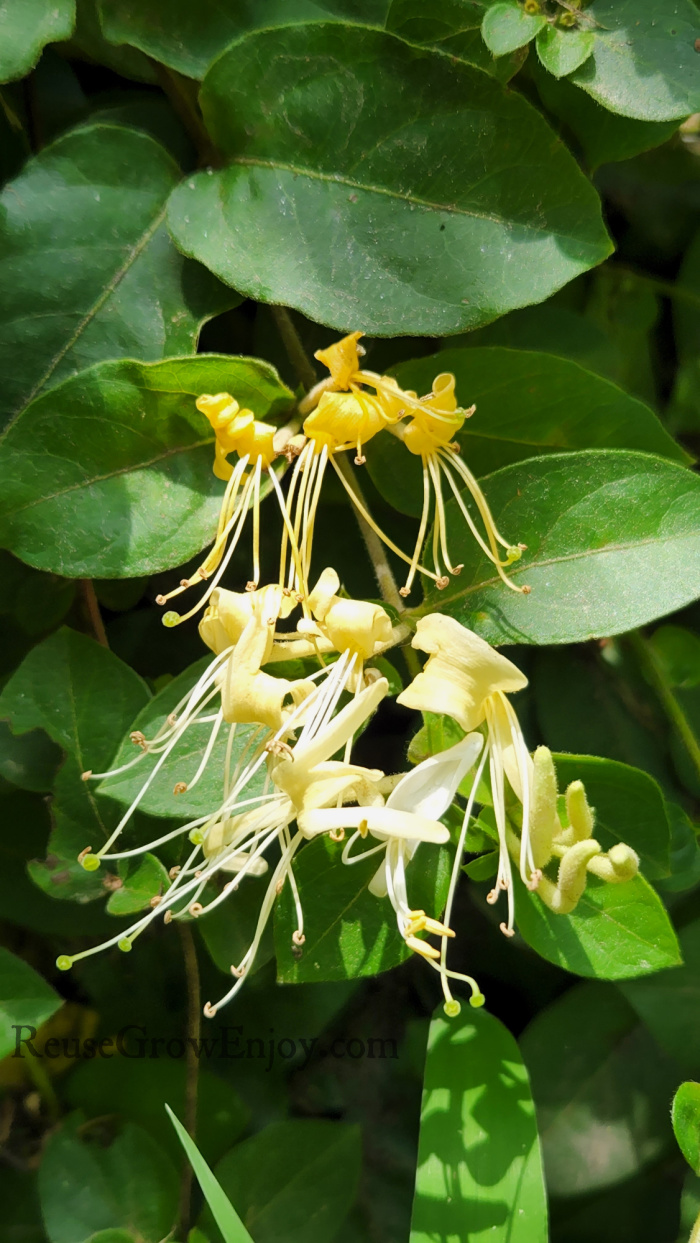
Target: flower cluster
[{"x": 300, "y": 730}]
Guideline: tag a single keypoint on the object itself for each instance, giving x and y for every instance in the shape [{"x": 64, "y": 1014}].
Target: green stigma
[
  {"x": 452, "y": 1008},
  {"x": 91, "y": 863},
  {"x": 64, "y": 962},
  {"x": 196, "y": 837},
  {"x": 124, "y": 945},
  {"x": 512, "y": 554},
  {"x": 170, "y": 619},
  {"x": 477, "y": 1000}
]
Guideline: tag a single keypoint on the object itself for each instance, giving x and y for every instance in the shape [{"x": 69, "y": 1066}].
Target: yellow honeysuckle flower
[{"x": 433, "y": 422}]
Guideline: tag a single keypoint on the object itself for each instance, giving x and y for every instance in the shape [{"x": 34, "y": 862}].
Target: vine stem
[
  {"x": 193, "y": 1036},
  {"x": 654, "y": 672},
  {"x": 181, "y": 92},
  {"x": 92, "y": 608},
  {"x": 292, "y": 343}
]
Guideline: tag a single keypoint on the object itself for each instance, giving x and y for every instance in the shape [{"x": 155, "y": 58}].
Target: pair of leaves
[
  {"x": 89, "y": 270},
  {"x": 117, "y": 464},
  {"x": 507, "y": 26},
  {"x": 479, "y": 1165}
]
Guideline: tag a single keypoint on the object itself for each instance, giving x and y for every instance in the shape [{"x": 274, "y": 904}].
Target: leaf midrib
[{"x": 343, "y": 180}]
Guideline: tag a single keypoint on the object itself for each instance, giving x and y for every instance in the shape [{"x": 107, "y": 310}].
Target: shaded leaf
[
  {"x": 601, "y": 1090},
  {"x": 668, "y": 1003},
  {"x": 612, "y": 538},
  {"x": 506, "y": 26},
  {"x": 26, "y": 26},
  {"x": 89, "y": 270},
  {"x": 24, "y": 999},
  {"x": 527, "y": 403},
  {"x": 293, "y": 1182},
  {"x": 644, "y": 60},
  {"x": 479, "y": 1166},
  {"x": 561, "y": 50},
  {"x": 146, "y": 879},
  {"x": 337, "y": 204},
  {"x": 616, "y": 932},
  {"x": 117, "y": 464},
  {"x": 86, "y": 1187}
]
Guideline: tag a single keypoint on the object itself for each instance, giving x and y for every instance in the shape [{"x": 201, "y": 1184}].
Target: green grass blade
[{"x": 224, "y": 1213}]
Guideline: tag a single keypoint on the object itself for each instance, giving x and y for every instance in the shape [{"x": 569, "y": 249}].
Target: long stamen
[
  {"x": 425, "y": 514},
  {"x": 450, "y": 1002},
  {"x": 288, "y": 534}
]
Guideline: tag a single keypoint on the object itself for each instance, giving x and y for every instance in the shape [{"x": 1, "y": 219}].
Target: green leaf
[
  {"x": 137, "y": 1086},
  {"x": 678, "y": 651},
  {"x": 229, "y": 929},
  {"x": 506, "y": 26},
  {"x": 644, "y": 60},
  {"x": 293, "y": 1182},
  {"x": 189, "y": 40},
  {"x": 86, "y": 1187},
  {"x": 349, "y": 932},
  {"x": 78, "y": 692},
  {"x": 223, "y": 1212},
  {"x": 527, "y": 403},
  {"x": 24, "y": 999},
  {"x": 29, "y": 761},
  {"x": 338, "y": 202},
  {"x": 183, "y": 761},
  {"x": 479, "y": 1165},
  {"x": 90, "y": 270},
  {"x": 685, "y": 853},
  {"x": 629, "y": 807},
  {"x": 26, "y": 26},
  {"x": 613, "y": 542},
  {"x": 116, "y": 463},
  {"x": 685, "y": 1114},
  {"x": 561, "y": 51},
  {"x": 603, "y": 136},
  {"x": 668, "y": 1003},
  {"x": 616, "y": 932},
  {"x": 146, "y": 879},
  {"x": 601, "y": 1090}
]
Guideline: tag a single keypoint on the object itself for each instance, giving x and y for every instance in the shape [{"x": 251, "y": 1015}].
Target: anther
[
  {"x": 172, "y": 719},
  {"x": 155, "y": 901},
  {"x": 492, "y": 897},
  {"x": 507, "y": 932},
  {"x": 179, "y": 787},
  {"x": 161, "y": 599},
  {"x": 534, "y": 880},
  {"x": 237, "y": 971},
  {"x": 337, "y": 835},
  {"x": 526, "y": 590},
  {"x": 362, "y": 828},
  {"x": 208, "y": 1010},
  {"x": 360, "y": 461},
  {"x": 298, "y": 937},
  {"x": 279, "y": 887},
  {"x": 442, "y": 582},
  {"x": 195, "y": 909},
  {"x": 139, "y": 739},
  {"x": 167, "y": 918},
  {"x": 174, "y": 871},
  {"x": 404, "y": 591},
  {"x": 84, "y": 853},
  {"x": 86, "y": 775},
  {"x": 277, "y": 747},
  {"x": 251, "y": 586},
  {"x": 111, "y": 883}
]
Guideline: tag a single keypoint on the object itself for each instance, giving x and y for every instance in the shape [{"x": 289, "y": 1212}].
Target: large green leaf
[
  {"x": 183, "y": 761},
  {"x": 479, "y": 1170},
  {"x": 644, "y": 60},
  {"x": 669, "y": 1003},
  {"x": 629, "y": 807},
  {"x": 26, "y": 26},
  {"x": 613, "y": 541},
  {"x": 348, "y": 931},
  {"x": 89, "y": 271},
  {"x": 617, "y": 932},
  {"x": 116, "y": 464},
  {"x": 292, "y": 1183},
  {"x": 527, "y": 403},
  {"x": 377, "y": 185},
  {"x": 86, "y": 1186},
  {"x": 601, "y": 1090},
  {"x": 189, "y": 39},
  {"x": 24, "y": 999}
]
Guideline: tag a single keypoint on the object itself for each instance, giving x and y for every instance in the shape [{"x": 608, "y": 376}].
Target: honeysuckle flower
[
  {"x": 466, "y": 679},
  {"x": 433, "y": 421},
  {"x": 237, "y": 835},
  {"x": 237, "y": 431}
]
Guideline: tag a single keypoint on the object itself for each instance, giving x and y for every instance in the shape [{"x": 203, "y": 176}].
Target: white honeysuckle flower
[{"x": 466, "y": 679}]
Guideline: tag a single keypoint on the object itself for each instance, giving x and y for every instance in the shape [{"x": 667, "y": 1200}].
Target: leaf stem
[
  {"x": 193, "y": 1036},
  {"x": 295, "y": 350},
  {"x": 92, "y": 609},
  {"x": 655, "y": 674}
]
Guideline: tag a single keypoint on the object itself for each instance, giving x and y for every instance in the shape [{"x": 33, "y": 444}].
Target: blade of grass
[{"x": 224, "y": 1213}]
